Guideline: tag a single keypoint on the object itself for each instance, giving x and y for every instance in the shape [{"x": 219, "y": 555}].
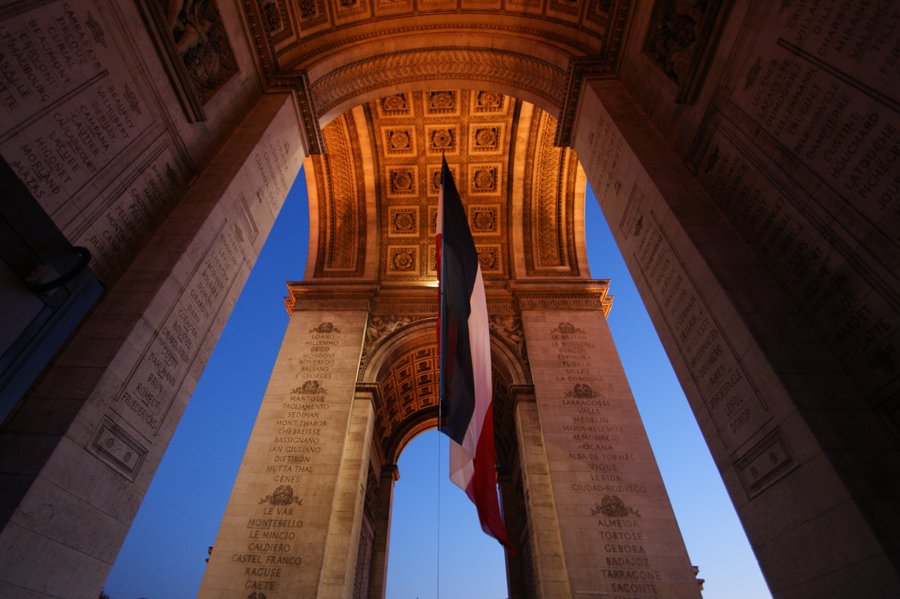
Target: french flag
[{"x": 466, "y": 413}]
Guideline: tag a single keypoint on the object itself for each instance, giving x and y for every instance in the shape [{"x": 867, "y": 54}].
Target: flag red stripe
[{"x": 482, "y": 489}]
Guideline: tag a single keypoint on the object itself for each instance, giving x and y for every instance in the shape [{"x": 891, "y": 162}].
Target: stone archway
[
  {"x": 401, "y": 362},
  {"x": 762, "y": 244},
  {"x": 370, "y": 278}
]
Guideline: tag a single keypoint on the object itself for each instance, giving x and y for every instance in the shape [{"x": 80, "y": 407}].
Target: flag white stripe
[{"x": 462, "y": 456}]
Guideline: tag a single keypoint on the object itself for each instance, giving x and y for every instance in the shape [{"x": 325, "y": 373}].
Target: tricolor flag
[{"x": 467, "y": 416}]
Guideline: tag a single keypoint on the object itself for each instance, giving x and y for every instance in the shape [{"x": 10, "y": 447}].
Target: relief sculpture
[{"x": 199, "y": 35}]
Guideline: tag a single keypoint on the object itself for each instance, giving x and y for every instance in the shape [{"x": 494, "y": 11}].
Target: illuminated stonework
[{"x": 475, "y": 131}]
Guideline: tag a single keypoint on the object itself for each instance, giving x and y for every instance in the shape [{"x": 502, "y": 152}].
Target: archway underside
[{"x": 374, "y": 192}]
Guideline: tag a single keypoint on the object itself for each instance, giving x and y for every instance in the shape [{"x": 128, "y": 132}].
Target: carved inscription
[
  {"x": 295, "y": 449},
  {"x": 858, "y": 323},
  {"x": 147, "y": 394},
  {"x": 121, "y": 231},
  {"x": 602, "y": 459},
  {"x": 840, "y": 128},
  {"x": 818, "y": 90},
  {"x": 69, "y": 105},
  {"x": 730, "y": 397}
]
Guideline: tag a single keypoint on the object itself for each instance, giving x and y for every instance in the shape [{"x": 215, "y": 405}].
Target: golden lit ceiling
[
  {"x": 374, "y": 191},
  {"x": 334, "y": 54}
]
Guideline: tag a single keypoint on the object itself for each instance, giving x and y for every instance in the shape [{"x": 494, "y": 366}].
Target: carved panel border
[
  {"x": 342, "y": 202},
  {"x": 117, "y": 449},
  {"x": 548, "y": 206}
]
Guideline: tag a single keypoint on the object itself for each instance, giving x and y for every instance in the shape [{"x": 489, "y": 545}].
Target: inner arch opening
[
  {"x": 381, "y": 244},
  {"x": 431, "y": 548}
]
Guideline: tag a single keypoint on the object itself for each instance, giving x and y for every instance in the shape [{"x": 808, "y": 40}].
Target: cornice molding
[
  {"x": 580, "y": 68},
  {"x": 298, "y": 83},
  {"x": 326, "y": 297},
  {"x": 564, "y": 295}
]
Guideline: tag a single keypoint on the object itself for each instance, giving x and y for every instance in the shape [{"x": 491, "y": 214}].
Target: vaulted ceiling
[
  {"x": 384, "y": 88},
  {"x": 374, "y": 192},
  {"x": 335, "y": 54}
]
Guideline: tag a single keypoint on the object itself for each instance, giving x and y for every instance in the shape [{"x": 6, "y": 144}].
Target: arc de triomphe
[{"x": 743, "y": 153}]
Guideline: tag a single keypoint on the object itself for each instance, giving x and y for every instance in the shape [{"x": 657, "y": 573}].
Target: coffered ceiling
[{"x": 375, "y": 190}]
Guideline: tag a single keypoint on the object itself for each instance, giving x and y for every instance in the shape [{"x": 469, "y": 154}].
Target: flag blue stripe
[{"x": 458, "y": 273}]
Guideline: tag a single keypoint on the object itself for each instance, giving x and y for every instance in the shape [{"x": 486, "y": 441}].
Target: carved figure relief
[
  {"x": 680, "y": 32},
  {"x": 508, "y": 329},
  {"x": 381, "y": 326},
  {"x": 271, "y": 16},
  {"x": 378, "y": 329},
  {"x": 200, "y": 39}
]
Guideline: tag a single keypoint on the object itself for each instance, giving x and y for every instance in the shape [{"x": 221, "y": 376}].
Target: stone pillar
[
  {"x": 548, "y": 563},
  {"x": 79, "y": 452},
  {"x": 291, "y": 527},
  {"x": 618, "y": 532},
  {"x": 810, "y": 461},
  {"x": 342, "y": 545},
  {"x": 382, "y": 539}
]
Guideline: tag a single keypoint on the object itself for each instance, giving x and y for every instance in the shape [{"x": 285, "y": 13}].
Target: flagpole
[
  {"x": 441, "y": 293},
  {"x": 441, "y": 357}
]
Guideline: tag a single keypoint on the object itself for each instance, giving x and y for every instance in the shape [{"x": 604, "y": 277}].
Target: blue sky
[{"x": 163, "y": 556}]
